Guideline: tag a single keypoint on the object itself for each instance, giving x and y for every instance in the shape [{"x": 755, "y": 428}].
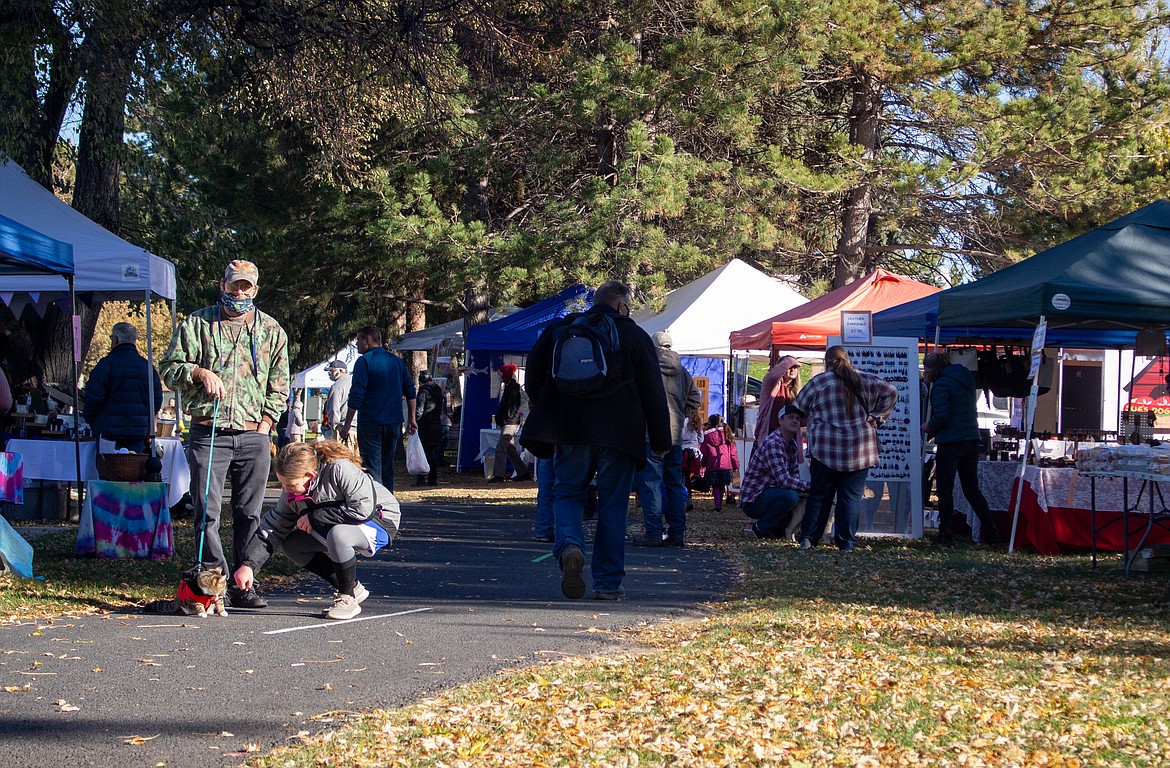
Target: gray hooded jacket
[{"x": 682, "y": 396}]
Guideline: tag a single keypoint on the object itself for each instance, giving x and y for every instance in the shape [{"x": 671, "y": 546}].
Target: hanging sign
[
  {"x": 856, "y": 327},
  {"x": 1038, "y": 347}
]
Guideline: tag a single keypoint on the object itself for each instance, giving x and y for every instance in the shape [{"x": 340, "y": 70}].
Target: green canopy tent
[{"x": 1115, "y": 276}]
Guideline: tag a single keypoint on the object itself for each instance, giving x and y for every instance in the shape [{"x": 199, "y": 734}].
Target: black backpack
[{"x": 586, "y": 357}]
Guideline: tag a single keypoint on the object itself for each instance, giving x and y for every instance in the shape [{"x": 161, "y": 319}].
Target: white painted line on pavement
[{"x": 326, "y": 623}]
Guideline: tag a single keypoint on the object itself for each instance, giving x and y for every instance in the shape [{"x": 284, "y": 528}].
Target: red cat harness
[{"x": 186, "y": 593}]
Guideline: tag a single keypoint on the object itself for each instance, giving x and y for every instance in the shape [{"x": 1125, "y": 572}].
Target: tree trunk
[
  {"x": 865, "y": 132},
  {"x": 103, "y": 125}
]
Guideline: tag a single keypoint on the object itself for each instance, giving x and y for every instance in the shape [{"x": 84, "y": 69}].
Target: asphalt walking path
[{"x": 463, "y": 593}]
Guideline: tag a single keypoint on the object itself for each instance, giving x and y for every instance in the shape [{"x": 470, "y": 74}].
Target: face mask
[{"x": 235, "y": 305}]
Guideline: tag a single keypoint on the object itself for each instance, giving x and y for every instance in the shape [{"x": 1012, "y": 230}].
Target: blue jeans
[
  {"x": 660, "y": 474},
  {"x": 772, "y": 511},
  {"x": 847, "y": 487},
  {"x": 378, "y": 444},
  {"x": 574, "y": 467},
  {"x": 245, "y": 456},
  {"x": 545, "y": 479}
]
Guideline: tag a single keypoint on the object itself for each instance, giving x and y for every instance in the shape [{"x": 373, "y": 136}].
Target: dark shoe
[
  {"x": 806, "y": 544},
  {"x": 648, "y": 541},
  {"x": 245, "y": 598},
  {"x": 544, "y": 537},
  {"x": 944, "y": 540},
  {"x": 731, "y": 501},
  {"x": 618, "y": 595},
  {"x": 675, "y": 541},
  {"x": 419, "y": 482},
  {"x": 495, "y": 479},
  {"x": 572, "y": 582},
  {"x": 524, "y": 478}
]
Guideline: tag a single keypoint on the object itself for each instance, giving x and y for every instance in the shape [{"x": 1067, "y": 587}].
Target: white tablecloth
[
  {"x": 56, "y": 460},
  {"x": 488, "y": 440}
]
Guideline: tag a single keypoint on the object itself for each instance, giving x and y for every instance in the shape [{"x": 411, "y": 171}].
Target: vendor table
[
  {"x": 1057, "y": 508},
  {"x": 55, "y": 460},
  {"x": 125, "y": 520},
  {"x": 1151, "y": 512}
]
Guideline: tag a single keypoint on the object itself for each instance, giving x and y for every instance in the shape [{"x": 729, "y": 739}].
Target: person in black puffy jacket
[
  {"x": 954, "y": 423},
  {"x": 117, "y": 395}
]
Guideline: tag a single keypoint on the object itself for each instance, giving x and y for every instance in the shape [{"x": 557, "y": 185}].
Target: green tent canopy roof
[{"x": 1115, "y": 276}]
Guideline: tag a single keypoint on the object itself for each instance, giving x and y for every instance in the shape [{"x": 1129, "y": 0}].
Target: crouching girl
[{"x": 329, "y": 513}]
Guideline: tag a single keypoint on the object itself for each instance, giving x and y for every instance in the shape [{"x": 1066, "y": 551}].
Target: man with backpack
[{"x": 597, "y": 398}]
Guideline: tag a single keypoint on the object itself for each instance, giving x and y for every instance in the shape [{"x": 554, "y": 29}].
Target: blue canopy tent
[
  {"x": 24, "y": 251},
  {"x": 487, "y": 346}
]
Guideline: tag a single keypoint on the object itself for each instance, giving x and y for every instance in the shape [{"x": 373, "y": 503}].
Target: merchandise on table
[{"x": 1125, "y": 458}]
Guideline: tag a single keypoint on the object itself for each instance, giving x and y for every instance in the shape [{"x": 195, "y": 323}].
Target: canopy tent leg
[{"x": 1030, "y": 417}]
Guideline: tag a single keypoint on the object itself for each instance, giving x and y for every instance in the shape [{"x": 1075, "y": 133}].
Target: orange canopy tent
[{"x": 808, "y": 326}]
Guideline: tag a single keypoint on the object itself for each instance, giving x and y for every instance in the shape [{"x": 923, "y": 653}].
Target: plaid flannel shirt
[
  {"x": 842, "y": 438},
  {"x": 772, "y": 465}
]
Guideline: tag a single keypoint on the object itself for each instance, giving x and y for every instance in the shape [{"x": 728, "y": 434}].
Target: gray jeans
[
  {"x": 245, "y": 457},
  {"x": 342, "y": 543}
]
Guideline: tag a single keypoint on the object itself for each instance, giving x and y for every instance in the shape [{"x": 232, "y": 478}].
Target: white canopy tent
[
  {"x": 106, "y": 267},
  {"x": 317, "y": 376},
  {"x": 701, "y": 315}
]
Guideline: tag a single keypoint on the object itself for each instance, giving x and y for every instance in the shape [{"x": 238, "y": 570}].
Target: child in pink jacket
[{"x": 719, "y": 456}]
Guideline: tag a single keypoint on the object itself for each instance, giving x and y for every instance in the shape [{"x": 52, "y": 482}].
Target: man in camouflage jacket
[{"x": 229, "y": 362}]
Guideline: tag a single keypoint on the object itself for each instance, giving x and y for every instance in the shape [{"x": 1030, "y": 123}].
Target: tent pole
[
  {"x": 74, "y": 354},
  {"x": 1030, "y": 416},
  {"x": 150, "y": 372}
]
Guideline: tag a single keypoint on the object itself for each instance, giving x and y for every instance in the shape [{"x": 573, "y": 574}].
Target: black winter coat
[
  {"x": 620, "y": 419},
  {"x": 116, "y": 395},
  {"x": 429, "y": 407}
]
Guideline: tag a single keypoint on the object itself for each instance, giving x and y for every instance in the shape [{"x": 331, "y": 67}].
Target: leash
[{"x": 207, "y": 485}]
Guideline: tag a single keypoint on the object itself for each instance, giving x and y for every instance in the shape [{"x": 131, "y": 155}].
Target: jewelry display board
[{"x": 892, "y": 502}]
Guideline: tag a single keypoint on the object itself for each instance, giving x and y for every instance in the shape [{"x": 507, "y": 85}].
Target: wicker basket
[{"x": 122, "y": 467}]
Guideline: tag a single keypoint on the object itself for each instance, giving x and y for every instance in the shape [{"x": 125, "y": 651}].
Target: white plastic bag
[{"x": 416, "y": 457}]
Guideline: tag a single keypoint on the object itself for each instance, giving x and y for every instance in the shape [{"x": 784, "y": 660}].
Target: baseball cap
[
  {"x": 242, "y": 270},
  {"x": 662, "y": 339},
  {"x": 790, "y": 408},
  {"x": 337, "y": 364}
]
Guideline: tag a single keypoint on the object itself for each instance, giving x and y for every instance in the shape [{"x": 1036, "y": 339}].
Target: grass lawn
[{"x": 897, "y": 654}]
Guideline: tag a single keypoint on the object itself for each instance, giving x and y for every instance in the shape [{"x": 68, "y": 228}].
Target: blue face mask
[{"x": 237, "y": 305}]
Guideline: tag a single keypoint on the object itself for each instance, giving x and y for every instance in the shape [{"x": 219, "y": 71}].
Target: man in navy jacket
[
  {"x": 380, "y": 383},
  {"x": 117, "y": 395}
]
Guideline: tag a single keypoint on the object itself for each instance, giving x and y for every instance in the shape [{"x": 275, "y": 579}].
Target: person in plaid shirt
[
  {"x": 845, "y": 408},
  {"x": 772, "y": 486}
]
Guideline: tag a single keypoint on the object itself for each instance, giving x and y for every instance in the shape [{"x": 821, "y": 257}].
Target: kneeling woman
[{"x": 330, "y": 512}]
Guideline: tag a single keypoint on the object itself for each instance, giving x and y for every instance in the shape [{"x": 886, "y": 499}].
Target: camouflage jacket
[{"x": 251, "y": 358}]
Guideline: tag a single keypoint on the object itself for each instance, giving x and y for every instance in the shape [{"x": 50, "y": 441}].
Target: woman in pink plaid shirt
[{"x": 845, "y": 407}]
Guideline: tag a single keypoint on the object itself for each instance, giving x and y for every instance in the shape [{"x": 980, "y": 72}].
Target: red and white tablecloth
[{"x": 1056, "y": 507}]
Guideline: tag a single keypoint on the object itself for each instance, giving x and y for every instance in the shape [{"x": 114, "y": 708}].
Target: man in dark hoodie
[
  {"x": 682, "y": 398},
  {"x": 954, "y": 423},
  {"x": 602, "y": 433}
]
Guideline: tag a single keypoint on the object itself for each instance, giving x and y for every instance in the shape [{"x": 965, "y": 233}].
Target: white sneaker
[
  {"x": 344, "y": 607},
  {"x": 360, "y": 594}
]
